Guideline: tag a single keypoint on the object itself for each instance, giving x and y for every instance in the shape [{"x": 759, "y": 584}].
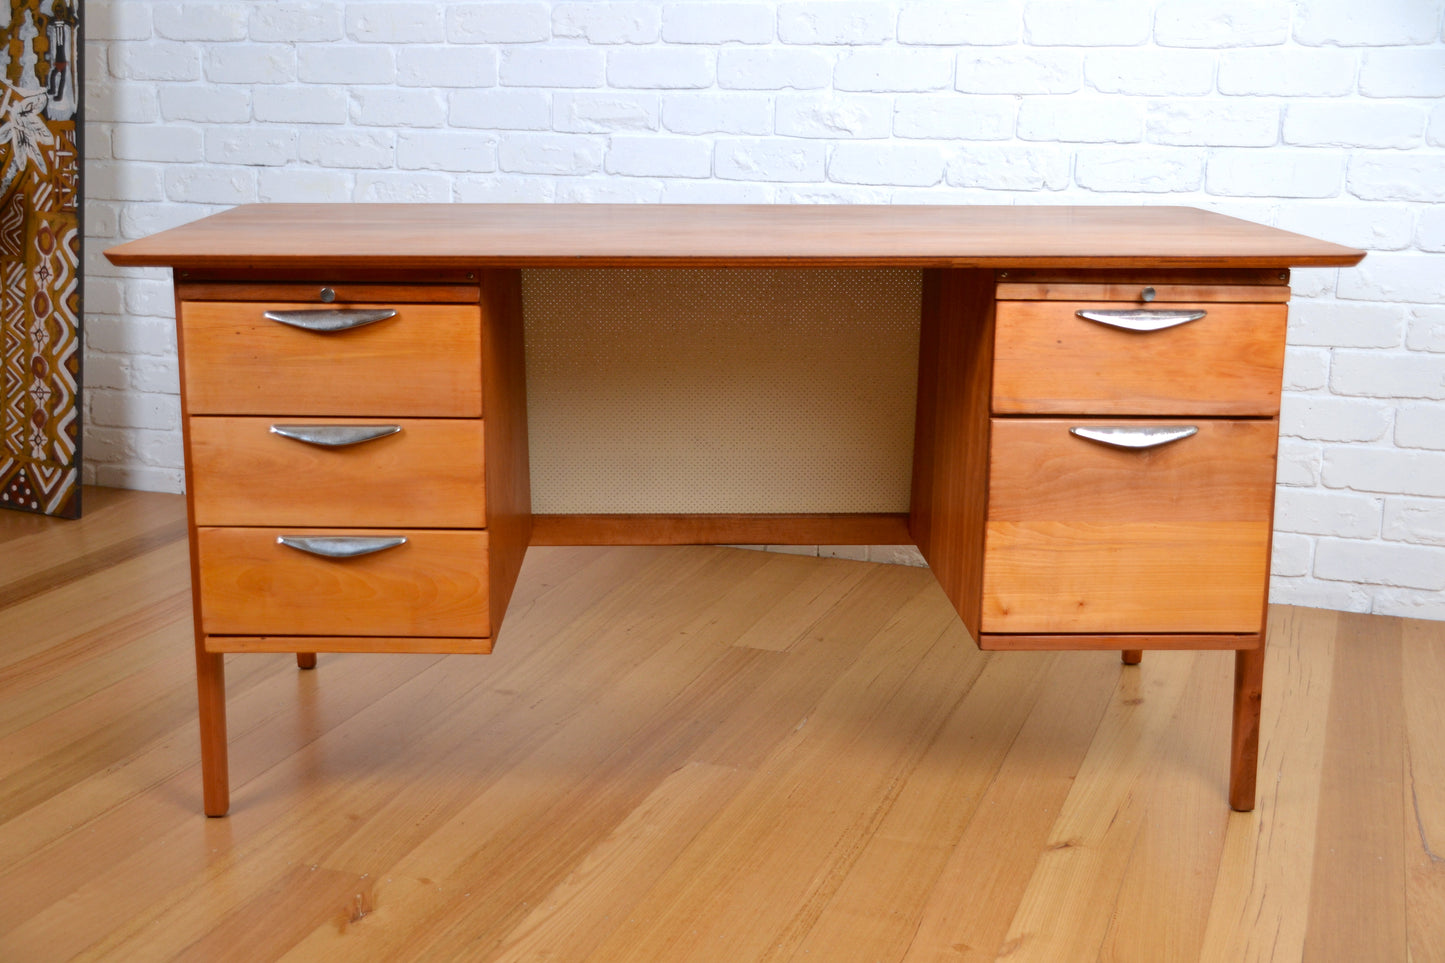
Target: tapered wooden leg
[
  {"x": 1133, "y": 656},
  {"x": 1244, "y": 746},
  {"x": 211, "y": 687},
  {"x": 305, "y": 660}
]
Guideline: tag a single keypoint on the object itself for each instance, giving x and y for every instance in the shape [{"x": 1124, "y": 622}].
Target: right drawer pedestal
[{"x": 1042, "y": 532}]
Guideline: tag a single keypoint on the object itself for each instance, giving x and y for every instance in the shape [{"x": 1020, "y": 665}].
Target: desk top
[{"x": 262, "y": 237}]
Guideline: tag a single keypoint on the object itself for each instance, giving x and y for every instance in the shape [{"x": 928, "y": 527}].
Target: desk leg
[
  {"x": 211, "y": 687},
  {"x": 305, "y": 660},
  {"x": 1133, "y": 656},
  {"x": 1244, "y": 748}
]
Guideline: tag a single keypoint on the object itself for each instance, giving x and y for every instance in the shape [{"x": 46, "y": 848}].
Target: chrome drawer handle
[
  {"x": 1142, "y": 319},
  {"x": 330, "y": 319},
  {"x": 340, "y": 546},
  {"x": 334, "y": 436},
  {"x": 1130, "y": 436}
]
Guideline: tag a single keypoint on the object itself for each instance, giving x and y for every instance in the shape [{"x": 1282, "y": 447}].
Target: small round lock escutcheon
[
  {"x": 328, "y": 295},
  {"x": 1148, "y": 294}
]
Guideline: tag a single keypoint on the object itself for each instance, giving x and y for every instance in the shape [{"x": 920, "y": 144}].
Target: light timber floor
[{"x": 697, "y": 754}]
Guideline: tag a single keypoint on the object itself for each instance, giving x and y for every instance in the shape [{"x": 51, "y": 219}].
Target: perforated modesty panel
[{"x": 721, "y": 390}]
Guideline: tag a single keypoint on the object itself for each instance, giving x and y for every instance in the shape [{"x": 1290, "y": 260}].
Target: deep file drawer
[
  {"x": 1050, "y": 359},
  {"x": 433, "y": 585},
  {"x": 1083, "y": 537},
  {"x": 400, "y": 472},
  {"x": 425, "y": 361}
]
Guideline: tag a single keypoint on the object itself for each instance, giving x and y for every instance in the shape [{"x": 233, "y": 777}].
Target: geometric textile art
[{"x": 40, "y": 232}]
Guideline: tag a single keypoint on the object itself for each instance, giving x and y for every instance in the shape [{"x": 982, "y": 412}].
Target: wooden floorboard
[
  {"x": 1357, "y": 905},
  {"x": 697, "y": 754},
  {"x": 1422, "y": 667}
]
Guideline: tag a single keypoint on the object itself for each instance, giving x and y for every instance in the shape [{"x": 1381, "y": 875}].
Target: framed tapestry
[{"x": 40, "y": 232}]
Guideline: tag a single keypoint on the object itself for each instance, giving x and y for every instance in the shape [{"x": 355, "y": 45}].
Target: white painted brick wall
[
  {"x": 1287, "y": 72},
  {"x": 1224, "y": 23},
  {"x": 439, "y": 66},
  {"x": 1324, "y": 117},
  {"x": 643, "y": 156},
  {"x": 300, "y": 105},
  {"x": 742, "y": 68},
  {"x": 250, "y": 63},
  {"x": 200, "y": 21},
  {"x": 345, "y": 64},
  {"x": 1150, "y": 70},
  {"x": 666, "y": 68},
  {"x": 835, "y": 22},
  {"x": 295, "y": 22},
  {"x": 1110, "y": 23},
  {"x": 499, "y": 22},
  {"x": 733, "y": 112},
  {"x": 978, "y": 23},
  {"x": 1349, "y": 23},
  {"x": 718, "y": 23},
  {"x": 511, "y": 110},
  {"x": 1019, "y": 71}
]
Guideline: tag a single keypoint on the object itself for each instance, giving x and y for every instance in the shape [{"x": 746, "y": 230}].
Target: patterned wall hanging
[{"x": 40, "y": 315}]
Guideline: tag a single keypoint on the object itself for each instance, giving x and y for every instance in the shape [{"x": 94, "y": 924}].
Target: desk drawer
[
  {"x": 424, "y": 361},
  {"x": 428, "y": 474},
  {"x": 1086, "y": 538},
  {"x": 434, "y": 585},
  {"x": 1049, "y": 360}
]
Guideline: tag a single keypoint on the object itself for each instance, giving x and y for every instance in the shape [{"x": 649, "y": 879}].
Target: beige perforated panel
[{"x": 721, "y": 390}]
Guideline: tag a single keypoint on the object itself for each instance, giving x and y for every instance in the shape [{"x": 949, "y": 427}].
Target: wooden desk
[{"x": 1095, "y": 433}]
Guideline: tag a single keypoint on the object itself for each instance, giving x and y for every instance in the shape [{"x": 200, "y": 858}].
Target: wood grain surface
[
  {"x": 951, "y": 433},
  {"x": 508, "y": 465},
  {"x": 1131, "y": 646},
  {"x": 210, "y": 666},
  {"x": 722, "y": 529},
  {"x": 375, "y": 644},
  {"x": 1055, "y": 576},
  {"x": 318, "y": 237}
]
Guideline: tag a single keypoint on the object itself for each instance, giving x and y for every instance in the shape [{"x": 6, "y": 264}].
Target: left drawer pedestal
[{"x": 364, "y": 447}]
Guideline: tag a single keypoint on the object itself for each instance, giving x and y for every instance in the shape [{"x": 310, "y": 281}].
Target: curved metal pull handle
[
  {"x": 340, "y": 546},
  {"x": 1141, "y": 319},
  {"x": 334, "y": 436},
  {"x": 330, "y": 319},
  {"x": 1135, "y": 436}
]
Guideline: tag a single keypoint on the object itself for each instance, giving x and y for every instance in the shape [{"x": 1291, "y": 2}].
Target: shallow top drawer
[
  {"x": 423, "y": 360},
  {"x": 1140, "y": 293},
  {"x": 346, "y": 292},
  {"x": 1082, "y": 357}
]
